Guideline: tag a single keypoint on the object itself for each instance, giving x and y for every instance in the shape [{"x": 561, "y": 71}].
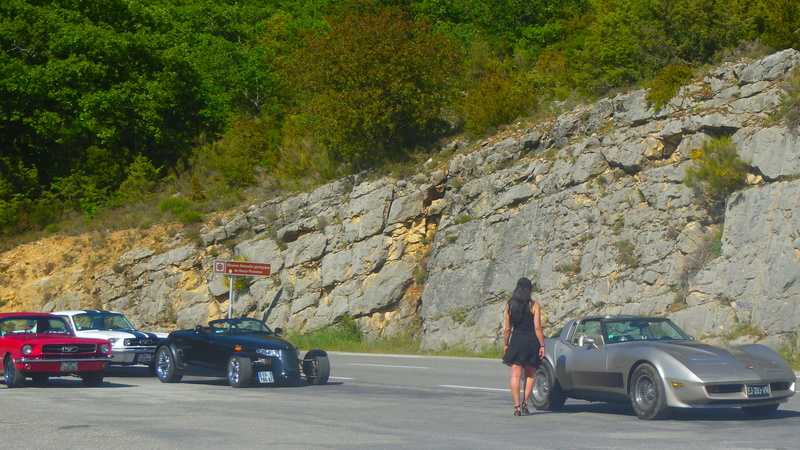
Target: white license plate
[
  {"x": 145, "y": 357},
  {"x": 69, "y": 366},
  {"x": 265, "y": 377},
  {"x": 758, "y": 391}
]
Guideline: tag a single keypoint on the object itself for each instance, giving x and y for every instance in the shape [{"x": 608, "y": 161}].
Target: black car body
[{"x": 243, "y": 350}]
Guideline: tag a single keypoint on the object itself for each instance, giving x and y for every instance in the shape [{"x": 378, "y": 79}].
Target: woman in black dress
[{"x": 524, "y": 341}]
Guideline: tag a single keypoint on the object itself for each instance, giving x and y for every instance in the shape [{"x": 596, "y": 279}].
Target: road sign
[{"x": 246, "y": 268}]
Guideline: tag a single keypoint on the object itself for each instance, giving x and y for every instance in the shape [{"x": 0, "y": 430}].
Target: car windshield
[
  {"x": 33, "y": 325},
  {"x": 636, "y": 329},
  {"x": 101, "y": 321},
  {"x": 239, "y": 326}
]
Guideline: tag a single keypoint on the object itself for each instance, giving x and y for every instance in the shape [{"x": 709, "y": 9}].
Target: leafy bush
[
  {"x": 665, "y": 85},
  {"x": 374, "y": 85},
  {"x": 496, "y": 94},
  {"x": 789, "y": 111},
  {"x": 183, "y": 210},
  {"x": 717, "y": 171}
]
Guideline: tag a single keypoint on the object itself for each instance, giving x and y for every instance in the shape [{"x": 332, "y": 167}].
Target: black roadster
[{"x": 245, "y": 351}]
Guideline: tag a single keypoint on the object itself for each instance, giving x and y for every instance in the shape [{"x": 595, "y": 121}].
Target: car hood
[
  {"x": 119, "y": 334},
  {"x": 752, "y": 361}
]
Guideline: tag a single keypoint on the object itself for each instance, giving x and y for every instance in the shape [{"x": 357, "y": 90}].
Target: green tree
[{"x": 375, "y": 84}]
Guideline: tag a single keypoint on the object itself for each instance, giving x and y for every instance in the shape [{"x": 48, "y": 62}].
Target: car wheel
[
  {"x": 165, "y": 366},
  {"x": 240, "y": 371},
  {"x": 647, "y": 393},
  {"x": 92, "y": 379},
  {"x": 14, "y": 377},
  {"x": 547, "y": 394},
  {"x": 39, "y": 380},
  {"x": 760, "y": 411},
  {"x": 317, "y": 369}
]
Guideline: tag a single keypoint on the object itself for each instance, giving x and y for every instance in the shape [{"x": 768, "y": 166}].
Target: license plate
[
  {"x": 145, "y": 357},
  {"x": 69, "y": 366},
  {"x": 758, "y": 390},
  {"x": 265, "y": 377}
]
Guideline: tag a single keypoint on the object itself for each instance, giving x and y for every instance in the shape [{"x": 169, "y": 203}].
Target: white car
[{"x": 128, "y": 346}]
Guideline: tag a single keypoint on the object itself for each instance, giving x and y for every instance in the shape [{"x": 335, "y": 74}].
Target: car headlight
[
  {"x": 112, "y": 340},
  {"x": 127, "y": 342},
  {"x": 268, "y": 352},
  {"x": 27, "y": 349},
  {"x": 105, "y": 348}
]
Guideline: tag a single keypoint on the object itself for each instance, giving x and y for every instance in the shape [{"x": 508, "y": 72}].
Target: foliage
[
  {"x": 663, "y": 87},
  {"x": 496, "y": 92},
  {"x": 374, "y": 85},
  {"x": 781, "y": 22},
  {"x": 717, "y": 169},
  {"x": 183, "y": 210},
  {"x": 107, "y": 103},
  {"x": 789, "y": 111}
]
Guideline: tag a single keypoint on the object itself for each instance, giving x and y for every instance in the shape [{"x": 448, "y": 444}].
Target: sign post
[{"x": 239, "y": 268}]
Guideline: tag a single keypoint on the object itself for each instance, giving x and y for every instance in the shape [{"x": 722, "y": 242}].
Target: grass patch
[
  {"x": 345, "y": 336},
  {"x": 791, "y": 357}
]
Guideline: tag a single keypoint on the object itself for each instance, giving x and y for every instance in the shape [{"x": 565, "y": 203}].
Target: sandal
[
  {"x": 525, "y": 409},
  {"x": 517, "y": 411}
]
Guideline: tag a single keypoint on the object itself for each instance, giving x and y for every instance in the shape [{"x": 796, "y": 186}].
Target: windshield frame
[{"x": 239, "y": 326}]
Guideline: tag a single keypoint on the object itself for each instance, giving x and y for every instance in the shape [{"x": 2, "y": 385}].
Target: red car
[{"x": 41, "y": 346}]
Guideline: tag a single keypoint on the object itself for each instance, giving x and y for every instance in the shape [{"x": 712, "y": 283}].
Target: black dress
[{"x": 523, "y": 346}]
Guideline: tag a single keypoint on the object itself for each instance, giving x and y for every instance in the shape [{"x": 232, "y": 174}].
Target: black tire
[
  {"x": 14, "y": 377},
  {"x": 760, "y": 411},
  {"x": 547, "y": 394},
  {"x": 647, "y": 393},
  {"x": 240, "y": 371},
  {"x": 39, "y": 380},
  {"x": 165, "y": 366},
  {"x": 92, "y": 379},
  {"x": 317, "y": 369}
]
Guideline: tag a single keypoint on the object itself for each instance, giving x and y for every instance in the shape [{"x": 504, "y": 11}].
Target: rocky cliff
[{"x": 589, "y": 205}]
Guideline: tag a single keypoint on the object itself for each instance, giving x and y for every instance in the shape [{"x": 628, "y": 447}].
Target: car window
[
  {"x": 101, "y": 321},
  {"x": 642, "y": 329},
  {"x": 586, "y": 327}
]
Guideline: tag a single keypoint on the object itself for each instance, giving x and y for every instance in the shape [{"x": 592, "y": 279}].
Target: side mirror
[
  {"x": 589, "y": 340},
  {"x": 278, "y": 330}
]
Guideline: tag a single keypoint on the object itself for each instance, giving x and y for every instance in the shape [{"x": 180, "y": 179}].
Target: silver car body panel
[{"x": 593, "y": 367}]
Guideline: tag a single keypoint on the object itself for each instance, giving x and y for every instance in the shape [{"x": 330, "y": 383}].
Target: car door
[{"x": 583, "y": 365}]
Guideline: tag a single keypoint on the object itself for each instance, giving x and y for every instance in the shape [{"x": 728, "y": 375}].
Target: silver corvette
[{"x": 655, "y": 366}]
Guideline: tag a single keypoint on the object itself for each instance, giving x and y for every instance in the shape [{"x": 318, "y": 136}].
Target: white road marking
[
  {"x": 387, "y": 365},
  {"x": 340, "y": 378},
  {"x": 472, "y": 387},
  {"x": 384, "y": 355}
]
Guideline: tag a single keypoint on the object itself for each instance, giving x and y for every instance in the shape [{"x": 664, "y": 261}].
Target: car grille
[
  {"x": 68, "y": 349},
  {"x": 289, "y": 358}
]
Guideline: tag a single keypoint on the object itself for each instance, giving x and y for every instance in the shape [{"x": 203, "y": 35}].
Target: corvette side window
[{"x": 586, "y": 327}]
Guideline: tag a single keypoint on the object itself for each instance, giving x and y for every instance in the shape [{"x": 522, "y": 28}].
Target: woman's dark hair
[{"x": 519, "y": 300}]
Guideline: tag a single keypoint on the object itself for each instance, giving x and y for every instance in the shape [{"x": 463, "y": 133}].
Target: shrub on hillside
[
  {"x": 718, "y": 171},
  {"x": 374, "y": 85},
  {"x": 665, "y": 85}
]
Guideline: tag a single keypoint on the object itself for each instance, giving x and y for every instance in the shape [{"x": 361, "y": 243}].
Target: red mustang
[{"x": 42, "y": 346}]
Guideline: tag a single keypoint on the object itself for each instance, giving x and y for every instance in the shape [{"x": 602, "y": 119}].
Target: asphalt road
[{"x": 371, "y": 401}]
